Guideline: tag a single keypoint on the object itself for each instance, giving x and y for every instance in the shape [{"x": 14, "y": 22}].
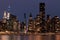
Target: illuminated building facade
[
  {"x": 39, "y": 24},
  {"x": 31, "y": 24},
  {"x": 45, "y": 27}
]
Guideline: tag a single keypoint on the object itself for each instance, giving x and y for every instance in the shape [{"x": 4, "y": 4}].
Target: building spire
[{"x": 9, "y": 6}]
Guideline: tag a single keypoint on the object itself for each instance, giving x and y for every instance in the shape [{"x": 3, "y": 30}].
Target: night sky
[{"x": 19, "y": 7}]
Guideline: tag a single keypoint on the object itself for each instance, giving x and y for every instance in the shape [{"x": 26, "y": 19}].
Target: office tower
[
  {"x": 48, "y": 23},
  {"x": 55, "y": 23},
  {"x": 25, "y": 22},
  {"x": 4, "y": 17},
  {"x": 19, "y": 25},
  {"x": 3, "y": 21},
  {"x": 42, "y": 10},
  {"x": 42, "y": 16},
  {"x": 22, "y": 27},
  {"x": 2, "y": 26},
  {"x": 37, "y": 24},
  {"x": 8, "y": 16},
  {"x": 13, "y": 22},
  {"x": 30, "y": 24}
]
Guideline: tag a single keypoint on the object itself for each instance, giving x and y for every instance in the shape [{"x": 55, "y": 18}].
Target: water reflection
[{"x": 29, "y": 37}]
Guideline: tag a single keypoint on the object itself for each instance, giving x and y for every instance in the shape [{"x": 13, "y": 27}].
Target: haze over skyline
[{"x": 19, "y": 7}]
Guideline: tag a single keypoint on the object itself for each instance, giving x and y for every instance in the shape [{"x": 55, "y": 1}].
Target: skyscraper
[
  {"x": 31, "y": 24},
  {"x": 42, "y": 10},
  {"x": 42, "y": 16}
]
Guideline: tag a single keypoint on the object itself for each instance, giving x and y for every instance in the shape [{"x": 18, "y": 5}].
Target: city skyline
[
  {"x": 20, "y": 7},
  {"x": 41, "y": 21},
  {"x": 42, "y": 27},
  {"x": 40, "y": 24}
]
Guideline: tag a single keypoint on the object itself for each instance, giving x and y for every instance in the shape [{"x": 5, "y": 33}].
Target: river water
[{"x": 30, "y": 37}]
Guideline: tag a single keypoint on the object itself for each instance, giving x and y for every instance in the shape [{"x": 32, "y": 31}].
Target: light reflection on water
[{"x": 29, "y": 37}]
